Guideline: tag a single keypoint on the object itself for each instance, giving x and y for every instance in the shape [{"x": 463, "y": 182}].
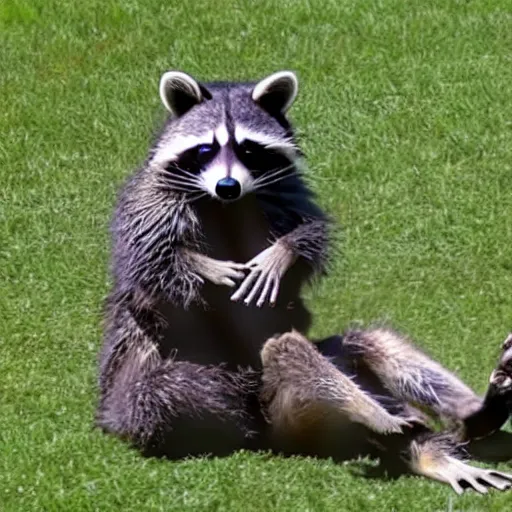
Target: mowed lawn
[{"x": 405, "y": 114}]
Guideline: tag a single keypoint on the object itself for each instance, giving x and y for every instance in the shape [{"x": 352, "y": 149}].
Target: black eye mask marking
[
  {"x": 197, "y": 158},
  {"x": 258, "y": 158}
]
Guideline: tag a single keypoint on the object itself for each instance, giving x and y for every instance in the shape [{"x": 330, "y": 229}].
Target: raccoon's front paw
[
  {"x": 216, "y": 271},
  {"x": 501, "y": 377},
  {"x": 224, "y": 273},
  {"x": 265, "y": 273}
]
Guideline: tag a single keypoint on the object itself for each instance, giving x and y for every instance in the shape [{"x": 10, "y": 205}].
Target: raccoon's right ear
[
  {"x": 277, "y": 92},
  {"x": 179, "y": 92}
]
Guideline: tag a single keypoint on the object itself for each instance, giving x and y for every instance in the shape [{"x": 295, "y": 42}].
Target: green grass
[{"x": 405, "y": 115}]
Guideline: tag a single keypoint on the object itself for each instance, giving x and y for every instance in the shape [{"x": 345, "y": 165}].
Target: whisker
[
  {"x": 186, "y": 173},
  {"x": 170, "y": 175},
  {"x": 182, "y": 183},
  {"x": 178, "y": 189},
  {"x": 179, "y": 186},
  {"x": 198, "y": 196},
  {"x": 275, "y": 172},
  {"x": 273, "y": 178},
  {"x": 272, "y": 182},
  {"x": 263, "y": 183},
  {"x": 274, "y": 169}
]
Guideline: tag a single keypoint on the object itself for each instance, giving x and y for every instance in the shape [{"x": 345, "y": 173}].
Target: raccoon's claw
[
  {"x": 217, "y": 271},
  {"x": 501, "y": 381},
  {"x": 265, "y": 273},
  {"x": 462, "y": 476},
  {"x": 501, "y": 377},
  {"x": 226, "y": 273},
  {"x": 507, "y": 343}
]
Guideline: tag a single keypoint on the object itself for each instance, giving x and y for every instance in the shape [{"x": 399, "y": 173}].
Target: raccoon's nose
[{"x": 228, "y": 188}]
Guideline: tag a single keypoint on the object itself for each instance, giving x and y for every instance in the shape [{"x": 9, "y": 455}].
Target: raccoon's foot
[
  {"x": 217, "y": 271},
  {"x": 265, "y": 273},
  {"x": 437, "y": 456},
  {"x": 462, "y": 476}
]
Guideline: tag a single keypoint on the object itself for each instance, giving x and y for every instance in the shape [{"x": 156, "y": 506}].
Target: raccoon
[
  {"x": 213, "y": 240},
  {"x": 205, "y": 348}
]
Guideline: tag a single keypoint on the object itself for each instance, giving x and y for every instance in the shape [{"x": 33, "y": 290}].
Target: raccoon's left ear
[
  {"x": 179, "y": 92},
  {"x": 277, "y": 92}
]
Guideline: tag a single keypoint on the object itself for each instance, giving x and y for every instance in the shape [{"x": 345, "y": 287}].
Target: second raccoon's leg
[
  {"x": 303, "y": 391},
  {"x": 412, "y": 376},
  {"x": 300, "y": 388}
]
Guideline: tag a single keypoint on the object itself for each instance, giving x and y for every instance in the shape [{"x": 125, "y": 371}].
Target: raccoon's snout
[{"x": 228, "y": 189}]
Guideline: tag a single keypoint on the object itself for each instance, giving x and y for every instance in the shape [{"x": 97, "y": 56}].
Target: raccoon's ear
[
  {"x": 179, "y": 92},
  {"x": 277, "y": 92}
]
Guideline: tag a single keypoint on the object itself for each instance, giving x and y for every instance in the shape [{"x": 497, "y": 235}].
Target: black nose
[{"x": 228, "y": 188}]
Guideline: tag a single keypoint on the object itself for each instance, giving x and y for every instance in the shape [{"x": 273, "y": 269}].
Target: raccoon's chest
[
  {"x": 225, "y": 331},
  {"x": 234, "y": 231}
]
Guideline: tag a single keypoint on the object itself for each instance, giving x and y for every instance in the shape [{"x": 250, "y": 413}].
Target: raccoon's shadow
[{"x": 495, "y": 448}]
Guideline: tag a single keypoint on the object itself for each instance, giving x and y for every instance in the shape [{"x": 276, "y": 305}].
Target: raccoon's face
[{"x": 226, "y": 140}]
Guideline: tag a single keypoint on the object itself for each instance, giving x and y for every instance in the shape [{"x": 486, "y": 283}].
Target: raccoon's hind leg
[
  {"x": 409, "y": 374},
  {"x": 167, "y": 407},
  {"x": 301, "y": 388},
  {"x": 412, "y": 376},
  {"x": 439, "y": 457}
]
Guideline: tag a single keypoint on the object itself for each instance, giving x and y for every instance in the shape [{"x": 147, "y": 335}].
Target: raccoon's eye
[
  {"x": 258, "y": 158},
  {"x": 248, "y": 148},
  {"x": 205, "y": 153},
  {"x": 204, "y": 149}
]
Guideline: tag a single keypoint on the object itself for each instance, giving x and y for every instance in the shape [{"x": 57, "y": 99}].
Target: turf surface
[{"x": 405, "y": 115}]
